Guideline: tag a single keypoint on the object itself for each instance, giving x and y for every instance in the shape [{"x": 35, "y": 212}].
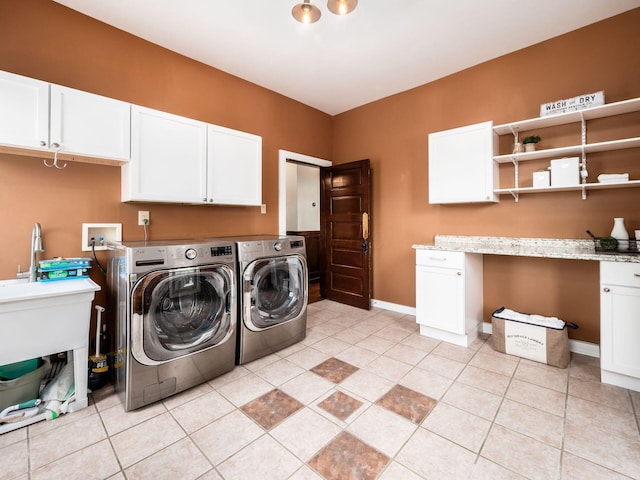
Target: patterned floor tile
[
  {"x": 411, "y": 405},
  {"x": 340, "y": 405},
  {"x": 271, "y": 408},
  {"x": 334, "y": 370}
]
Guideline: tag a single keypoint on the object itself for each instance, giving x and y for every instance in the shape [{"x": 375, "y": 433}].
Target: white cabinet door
[
  {"x": 234, "y": 175},
  {"x": 461, "y": 166},
  {"x": 89, "y": 124},
  {"x": 168, "y": 158},
  {"x": 440, "y": 299},
  {"x": 24, "y": 111}
]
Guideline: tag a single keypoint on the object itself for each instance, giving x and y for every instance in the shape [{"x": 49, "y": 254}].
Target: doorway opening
[{"x": 299, "y": 207}]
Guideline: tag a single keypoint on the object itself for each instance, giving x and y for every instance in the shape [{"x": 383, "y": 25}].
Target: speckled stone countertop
[{"x": 570, "y": 249}]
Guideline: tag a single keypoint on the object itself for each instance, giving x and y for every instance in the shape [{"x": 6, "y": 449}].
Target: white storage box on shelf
[
  {"x": 565, "y": 172},
  {"x": 541, "y": 179}
]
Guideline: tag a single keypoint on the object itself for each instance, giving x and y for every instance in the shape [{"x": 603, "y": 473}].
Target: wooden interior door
[{"x": 345, "y": 244}]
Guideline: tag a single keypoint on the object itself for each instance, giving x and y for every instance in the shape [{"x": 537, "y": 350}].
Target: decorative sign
[{"x": 572, "y": 104}]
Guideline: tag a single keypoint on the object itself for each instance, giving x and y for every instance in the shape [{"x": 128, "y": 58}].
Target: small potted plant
[{"x": 530, "y": 143}]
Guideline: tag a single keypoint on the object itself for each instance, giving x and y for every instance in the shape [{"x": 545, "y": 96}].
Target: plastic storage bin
[{"x": 25, "y": 384}]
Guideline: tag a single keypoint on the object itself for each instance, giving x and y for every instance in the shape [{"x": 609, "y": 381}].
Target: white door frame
[{"x": 283, "y": 156}]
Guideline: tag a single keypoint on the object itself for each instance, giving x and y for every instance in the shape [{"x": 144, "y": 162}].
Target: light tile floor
[{"x": 389, "y": 404}]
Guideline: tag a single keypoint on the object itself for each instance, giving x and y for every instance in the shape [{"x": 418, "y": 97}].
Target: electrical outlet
[
  {"x": 263, "y": 208},
  {"x": 143, "y": 217}
]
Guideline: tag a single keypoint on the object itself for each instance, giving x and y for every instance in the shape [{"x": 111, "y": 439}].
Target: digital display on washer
[
  {"x": 221, "y": 251},
  {"x": 296, "y": 244}
]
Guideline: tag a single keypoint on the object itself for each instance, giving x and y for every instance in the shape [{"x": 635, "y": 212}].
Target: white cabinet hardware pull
[
  {"x": 607, "y": 290},
  {"x": 636, "y": 274},
  {"x": 438, "y": 259},
  {"x": 43, "y": 143},
  {"x": 459, "y": 274}
]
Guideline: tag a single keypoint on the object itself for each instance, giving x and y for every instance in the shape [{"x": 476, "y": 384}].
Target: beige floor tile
[
  {"x": 313, "y": 336},
  {"x": 529, "y": 421},
  {"x": 393, "y": 333},
  {"x": 586, "y": 413},
  {"x": 584, "y": 367},
  {"x": 367, "y": 385},
  {"x": 15, "y": 459},
  {"x": 370, "y": 326},
  {"x": 331, "y": 346},
  {"x": 95, "y": 461},
  {"x": 181, "y": 460},
  {"x": 484, "y": 379},
  {"x": 388, "y": 368},
  {"x": 358, "y": 356},
  {"x": 307, "y": 387},
  {"x": 442, "y": 366},
  {"x": 503, "y": 366},
  {"x": 473, "y": 400},
  {"x": 350, "y": 335},
  {"x": 576, "y": 468},
  {"x": 262, "y": 362},
  {"x": 328, "y": 328},
  {"x": 487, "y": 470},
  {"x": 428, "y": 383},
  {"x": 404, "y": 353},
  {"x": 308, "y": 357},
  {"x": 445, "y": 459},
  {"x": 223, "y": 438},
  {"x": 425, "y": 344},
  {"x": 116, "y": 420},
  {"x": 557, "y": 379},
  {"x": 454, "y": 352},
  {"x": 604, "y": 448},
  {"x": 383, "y": 430},
  {"x": 285, "y": 352},
  {"x": 63, "y": 420},
  {"x": 609, "y": 395},
  {"x": 529, "y": 457},
  {"x": 183, "y": 397},
  {"x": 201, "y": 411},
  {"x": 375, "y": 344},
  {"x": 238, "y": 372},
  {"x": 52, "y": 445},
  {"x": 280, "y": 372},
  {"x": 463, "y": 428},
  {"x": 245, "y": 389},
  {"x": 265, "y": 459},
  {"x": 395, "y": 471},
  {"x": 120, "y": 476},
  {"x": 14, "y": 436},
  {"x": 105, "y": 397},
  {"x": 305, "y": 473},
  {"x": 538, "y": 397},
  {"x": 305, "y": 433},
  {"x": 146, "y": 438}
]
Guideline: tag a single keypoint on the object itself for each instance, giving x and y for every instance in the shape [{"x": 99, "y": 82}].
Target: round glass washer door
[
  {"x": 177, "y": 312},
  {"x": 274, "y": 291}
]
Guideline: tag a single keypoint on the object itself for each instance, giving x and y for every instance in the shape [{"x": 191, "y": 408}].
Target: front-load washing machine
[
  {"x": 272, "y": 294},
  {"x": 176, "y": 315}
]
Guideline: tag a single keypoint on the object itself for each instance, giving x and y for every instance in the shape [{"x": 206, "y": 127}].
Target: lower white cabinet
[
  {"x": 461, "y": 166},
  {"x": 620, "y": 324},
  {"x": 449, "y": 295},
  {"x": 176, "y": 159}
]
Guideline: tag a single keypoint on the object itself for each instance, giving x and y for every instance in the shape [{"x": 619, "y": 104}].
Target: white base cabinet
[
  {"x": 620, "y": 324},
  {"x": 449, "y": 295}
]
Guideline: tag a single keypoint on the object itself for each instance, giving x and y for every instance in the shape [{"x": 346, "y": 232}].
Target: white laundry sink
[{"x": 42, "y": 318}]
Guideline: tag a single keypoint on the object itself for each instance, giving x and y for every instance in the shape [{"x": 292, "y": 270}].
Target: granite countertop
[{"x": 571, "y": 249}]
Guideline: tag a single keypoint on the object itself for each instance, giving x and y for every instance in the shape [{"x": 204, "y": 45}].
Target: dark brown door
[{"x": 345, "y": 245}]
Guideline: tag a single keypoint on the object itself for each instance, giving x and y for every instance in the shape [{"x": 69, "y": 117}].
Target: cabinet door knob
[
  {"x": 55, "y": 145},
  {"x": 204, "y": 199},
  {"x": 43, "y": 143},
  {"x": 459, "y": 274},
  {"x": 606, "y": 289}
]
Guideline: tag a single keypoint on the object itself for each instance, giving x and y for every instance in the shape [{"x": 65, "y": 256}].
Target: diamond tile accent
[
  {"x": 271, "y": 408},
  {"x": 334, "y": 370},
  {"x": 410, "y": 404},
  {"x": 340, "y": 405},
  {"x": 348, "y": 457}
]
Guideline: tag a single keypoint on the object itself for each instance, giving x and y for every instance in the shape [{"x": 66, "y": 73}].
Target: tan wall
[
  {"x": 393, "y": 132},
  {"x": 42, "y": 39},
  {"x": 45, "y": 40}
]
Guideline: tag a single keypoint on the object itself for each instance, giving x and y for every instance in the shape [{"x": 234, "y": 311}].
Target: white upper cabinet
[
  {"x": 168, "y": 158},
  {"x": 24, "y": 111},
  {"x": 49, "y": 118},
  {"x": 461, "y": 166},
  {"x": 234, "y": 174},
  {"x": 89, "y": 124}
]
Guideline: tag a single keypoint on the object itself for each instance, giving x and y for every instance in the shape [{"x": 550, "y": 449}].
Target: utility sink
[{"x": 42, "y": 318}]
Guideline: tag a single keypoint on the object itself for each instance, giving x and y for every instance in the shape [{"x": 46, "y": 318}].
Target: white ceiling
[{"x": 339, "y": 63}]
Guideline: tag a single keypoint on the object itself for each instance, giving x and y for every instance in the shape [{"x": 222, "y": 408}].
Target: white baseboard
[
  {"x": 576, "y": 346},
  {"x": 394, "y": 307}
]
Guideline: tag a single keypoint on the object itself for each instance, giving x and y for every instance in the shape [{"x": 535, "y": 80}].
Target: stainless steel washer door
[
  {"x": 274, "y": 291},
  {"x": 178, "y": 312}
]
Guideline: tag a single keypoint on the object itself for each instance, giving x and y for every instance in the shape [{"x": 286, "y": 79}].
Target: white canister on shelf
[{"x": 620, "y": 233}]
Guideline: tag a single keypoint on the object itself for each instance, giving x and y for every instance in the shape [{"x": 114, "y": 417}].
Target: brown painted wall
[
  {"x": 393, "y": 133},
  {"x": 45, "y": 40}
]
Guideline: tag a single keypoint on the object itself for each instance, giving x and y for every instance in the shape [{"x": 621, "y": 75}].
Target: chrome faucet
[{"x": 36, "y": 247}]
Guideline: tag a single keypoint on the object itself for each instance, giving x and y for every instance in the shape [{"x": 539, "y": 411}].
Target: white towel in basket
[{"x": 541, "y": 321}]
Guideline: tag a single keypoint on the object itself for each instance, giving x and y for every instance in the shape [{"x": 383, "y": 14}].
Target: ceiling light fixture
[
  {"x": 342, "y": 7},
  {"x": 305, "y": 12}
]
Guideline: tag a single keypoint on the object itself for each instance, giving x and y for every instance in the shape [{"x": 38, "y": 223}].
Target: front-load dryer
[
  {"x": 272, "y": 294},
  {"x": 176, "y": 315}
]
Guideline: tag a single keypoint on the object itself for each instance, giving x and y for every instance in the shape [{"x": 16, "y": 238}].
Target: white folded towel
[
  {"x": 548, "y": 322},
  {"x": 613, "y": 177}
]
